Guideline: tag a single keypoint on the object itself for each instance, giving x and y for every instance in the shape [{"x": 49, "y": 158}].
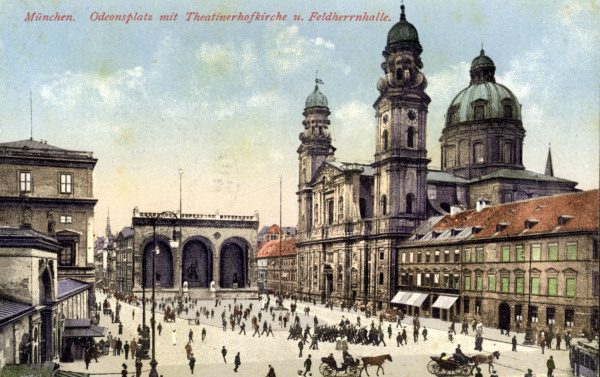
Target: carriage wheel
[
  {"x": 433, "y": 367},
  {"x": 326, "y": 370},
  {"x": 466, "y": 370},
  {"x": 353, "y": 371}
]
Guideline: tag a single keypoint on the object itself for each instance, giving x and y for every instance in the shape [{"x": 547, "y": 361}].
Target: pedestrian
[
  {"x": 159, "y": 328},
  {"x": 191, "y": 336},
  {"x": 87, "y": 358},
  {"x": 307, "y": 365},
  {"x": 133, "y": 348},
  {"x": 237, "y": 362},
  {"x": 269, "y": 331},
  {"x": 124, "y": 370},
  {"x": 174, "y": 337},
  {"x": 113, "y": 345},
  {"x": 188, "y": 350},
  {"x": 424, "y": 333},
  {"x": 543, "y": 344},
  {"x": 126, "y": 347},
  {"x": 550, "y": 365},
  {"x": 300, "y": 347},
  {"x": 192, "y": 362},
  {"x": 224, "y": 353},
  {"x": 399, "y": 339},
  {"x": 529, "y": 373},
  {"x": 120, "y": 328},
  {"x": 389, "y": 330},
  {"x": 558, "y": 340},
  {"x": 415, "y": 334},
  {"x": 478, "y": 374},
  {"x": 242, "y": 328},
  {"x": 514, "y": 343},
  {"x": 138, "y": 367},
  {"x": 204, "y": 333},
  {"x": 132, "y": 314},
  {"x": 271, "y": 372},
  {"x": 119, "y": 346},
  {"x": 568, "y": 340},
  {"x": 450, "y": 336}
]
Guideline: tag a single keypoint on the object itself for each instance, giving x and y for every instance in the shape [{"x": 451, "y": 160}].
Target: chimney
[
  {"x": 481, "y": 204},
  {"x": 456, "y": 208}
]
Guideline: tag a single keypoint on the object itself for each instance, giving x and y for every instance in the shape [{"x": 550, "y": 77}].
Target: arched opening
[
  {"x": 410, "y": 198},
  {"x": 384, "y": 140},
  {"x": 508, "y": 111},
  {"x": 479, "y": 112},
  {"x": 504, "y": 316},
  {"x": 233, "y": 263},
  {"x": 163, "y": 265},
  {"x": 330, "y": 212},
  {"x": 478, "y": 153},
  {"x": 45, "y": 287},
  {"x": 25, "y": 349},
  {"x": 328, "y": 274},
  {"x": 197, "y": 264},
  {"x": 384, "y": 205},
  {"x": 410, "y": 137}
]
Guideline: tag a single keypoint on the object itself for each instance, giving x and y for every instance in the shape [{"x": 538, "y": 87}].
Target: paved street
[{"x": 257, "y": 353}]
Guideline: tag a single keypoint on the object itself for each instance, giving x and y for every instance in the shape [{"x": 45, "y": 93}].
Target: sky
[{"x": 223, "y": 101}]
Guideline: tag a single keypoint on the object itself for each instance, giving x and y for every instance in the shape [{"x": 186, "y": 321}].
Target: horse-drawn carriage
[
  {"x": 439, "y": 366},
  {"x": 351, "y": 367},
  {"x": 169, "y": 315}
]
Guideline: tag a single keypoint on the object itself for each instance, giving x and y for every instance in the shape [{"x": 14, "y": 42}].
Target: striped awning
[
  {"x": 416, "y": 299},
  {"x": 401, "y": 297},
  {"x": 444, "y": 302}
]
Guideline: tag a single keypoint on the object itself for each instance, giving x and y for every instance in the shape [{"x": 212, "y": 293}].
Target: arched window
[
  {"x": 508, "y": 111},
  {"x": 507, "y": 152},
  {"x": 384, "y": 140},
  {"x": 478, "y": 157},
  {"x": 330, "y": 212},
  {"x": 410, "y": 136},
  {"x": 410, "y": 198},
  {"x": 479, "y": 112},
  {"x": 384, "y": 205}
]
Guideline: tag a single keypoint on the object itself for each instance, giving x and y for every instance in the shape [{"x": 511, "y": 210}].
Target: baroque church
[{"x": 352, "y": 217}]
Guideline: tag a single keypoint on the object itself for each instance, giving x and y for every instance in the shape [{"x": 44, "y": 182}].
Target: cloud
[
  {"x": 218, "y": 59},
  {"x": 323, "y": 42},
  {"x": 353, "y": 121}
]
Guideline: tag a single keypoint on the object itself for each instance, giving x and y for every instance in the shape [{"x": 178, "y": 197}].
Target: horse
[
  {"x": 485, "y": 358},
  {"x": 374, "y": 360}
]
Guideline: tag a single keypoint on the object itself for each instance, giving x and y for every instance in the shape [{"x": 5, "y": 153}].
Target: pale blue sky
[{"x": 224, "y": 101}]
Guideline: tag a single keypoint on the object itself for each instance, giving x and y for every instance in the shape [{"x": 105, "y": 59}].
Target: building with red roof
[{"x": 277, "y": 263}]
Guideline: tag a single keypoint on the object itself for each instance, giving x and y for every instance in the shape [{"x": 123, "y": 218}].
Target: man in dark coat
[
  {"x": 300, "y": 347},
  {"x": 307, "y": 365},
  {"x": 271, "y": 372},
  {"x": 126, "y": 349},
  {"x": 192, "y": 362},
  {"x": 551, "y": 366},
  {"x": 224, "y": 353},
  {"x": 514, "y": 343},
  {"x": 237, "y": 362}
]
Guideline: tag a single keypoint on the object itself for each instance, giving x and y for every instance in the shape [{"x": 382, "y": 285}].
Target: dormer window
[
  {"x": 501, "y": 226},
  {"x": 563, "y": 219},
  {"x": 530, "y": 223},
  {"x": 508, "y": 112},
  {"x": 476, "y": 229},
  {"x": 479, "y": 112}
]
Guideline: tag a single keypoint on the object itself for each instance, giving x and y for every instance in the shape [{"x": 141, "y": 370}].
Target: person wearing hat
[
  {"x": 192, "y": 362},
  {"x": 551, "y": 366},
  {"x": 307, "y": 365},
  {"x": 124, "y": 371},
  {"x": 271, "y": 372},
  {"x": 529, "y": 373}
]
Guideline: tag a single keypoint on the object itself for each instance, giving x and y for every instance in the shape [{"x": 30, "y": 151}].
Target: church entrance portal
[{"x": 328, "y": 272}]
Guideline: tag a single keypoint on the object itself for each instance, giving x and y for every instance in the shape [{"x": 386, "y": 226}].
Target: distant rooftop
[
  {"x": 271, "y": 248},
  {"x": 10, "y": 309},
  {"x": 40, "y": 148},
  {"x": 67, "y": 287}
]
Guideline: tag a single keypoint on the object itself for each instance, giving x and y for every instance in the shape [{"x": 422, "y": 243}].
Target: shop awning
[
  {"x": 82, "y": 328},
  {"x": 444, "y": 302},
  {"x": 401, "y": 297},
  {"x": 416, "y": 299}
]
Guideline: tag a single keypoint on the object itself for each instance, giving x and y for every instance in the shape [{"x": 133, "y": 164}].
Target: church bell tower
[{"x": 401, "y": 115}]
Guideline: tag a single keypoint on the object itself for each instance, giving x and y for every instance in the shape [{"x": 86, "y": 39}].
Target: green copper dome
[
  {"x": 316, "y": 99},
  {"x": 403, "y": 33},
  {"x": 482, "y": 61}
]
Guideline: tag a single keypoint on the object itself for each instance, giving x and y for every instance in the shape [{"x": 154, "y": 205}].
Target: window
[
  {"x": 66, "y": 183},
  {"x": 492, "y": 283},
  {"x": 505, "y": 286},
  {"x": 569, "y": 317},
  {"x": 411, "y": 257},
  {"x": 381, "y": 278},
  {"x": 467, "y": 256},
  {"x": 479, "y": 254},
  {"x": 316, "y": 214},
  {"x": 507, "y": 152},
  {"x": 467, "y": 283},
  {"x": 572, "y": 251},
  {"x": 384, "y": 138},
  {"x": 330, "y": 212},
  {"x": 478, "y": 153},
  {"x": 410, "y": 198},
  {"x": 553, "y": 251},
  {"x": 341, "y": 209},
  {"x": 505, "y": 254},
  {"x": 428, "y": 257},
  {"x": 25, "y": 181},
  {"x": 519, "y": 253},
  {"x": 479, "y": 282},
  {"x": 419, "y": 257},
  {"x": 519, "y": 284},
  {"x": 536, "y": 252},
  {"x": 466, "y": 305},
  {"x": 403, "y": 258},
  {"x": 550, "y": 315},
  {"x": 457, "y": 255},
  {"x": 535, "y": 286},
  {"x": 384, "y": 205},
  {"x": 66, "y": 219},
  {"x": 508, "y": 111},
  {"x": 410, "y": 137},
  {"x": 437, "y": 256},
  {"x": 446, "y": 256},
  {"x": 479, "y": 112},
  {"x": 552, "y": 286},
  {"x": 381, "y": 254},
  {"x": 66, "y": 256},
  {"x": 571, "y": 285}
]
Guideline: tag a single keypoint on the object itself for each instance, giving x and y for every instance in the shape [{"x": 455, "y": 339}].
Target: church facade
[{"x": 353, "y": 217}]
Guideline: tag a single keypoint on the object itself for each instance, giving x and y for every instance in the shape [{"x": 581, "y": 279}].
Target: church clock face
[
  {"x": 385, "y": 118},
  {"x": 411, "y": 115}
]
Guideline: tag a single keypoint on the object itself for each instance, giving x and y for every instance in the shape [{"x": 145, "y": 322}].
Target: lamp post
[
  {"x": 528, "y": 329},
  {"x": 156, "y": 250}
]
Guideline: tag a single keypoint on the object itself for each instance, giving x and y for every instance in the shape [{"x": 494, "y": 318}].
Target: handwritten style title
[{"x": 197, "y": 16}]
